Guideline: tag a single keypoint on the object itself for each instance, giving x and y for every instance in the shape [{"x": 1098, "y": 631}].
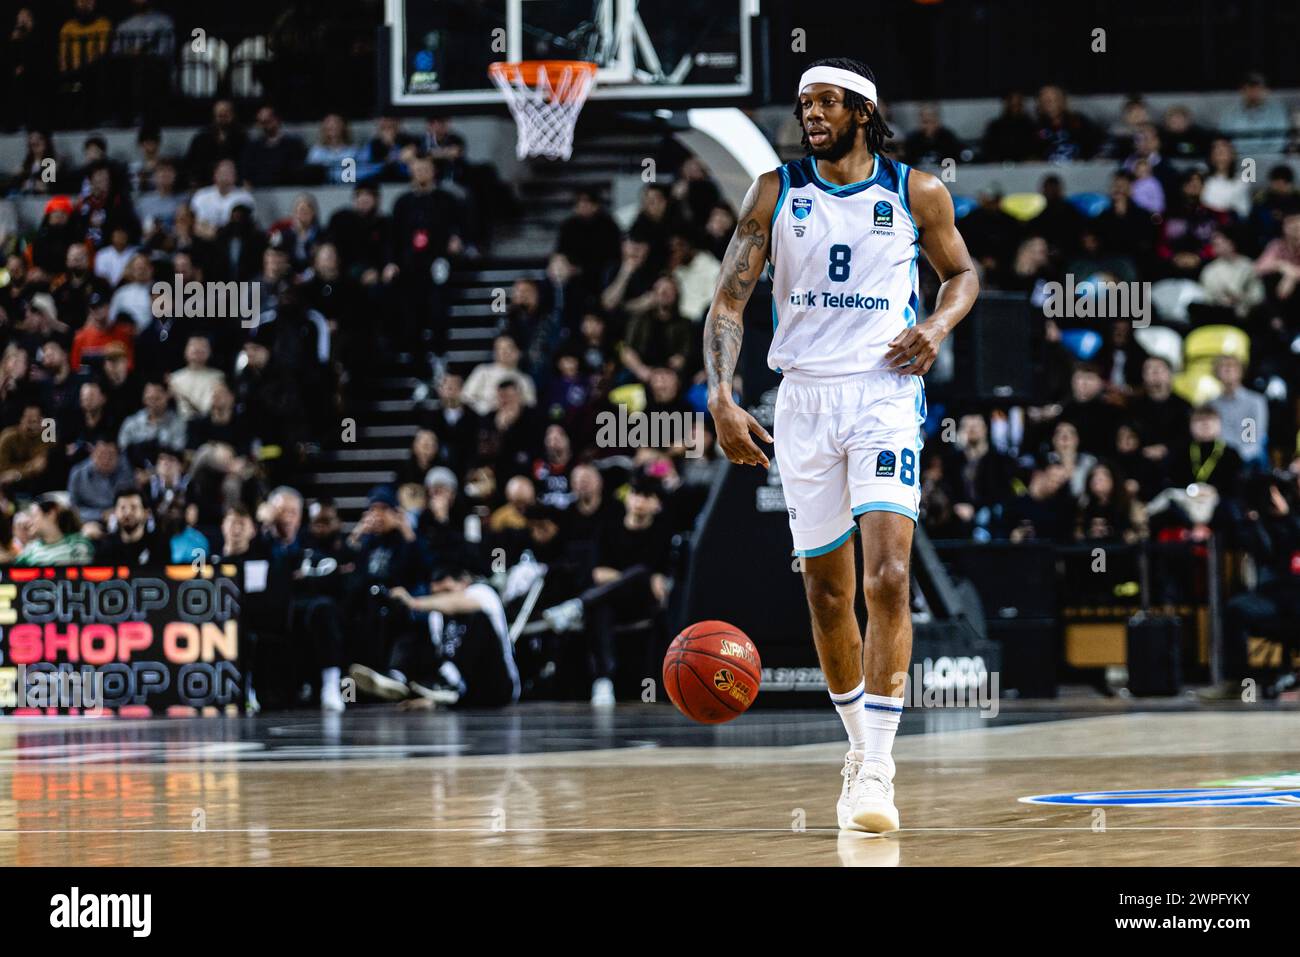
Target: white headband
[{"x": 837, "y": 77}]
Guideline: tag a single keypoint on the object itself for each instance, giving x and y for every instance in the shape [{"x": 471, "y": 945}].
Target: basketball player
[{"x": 843, "y": 228}]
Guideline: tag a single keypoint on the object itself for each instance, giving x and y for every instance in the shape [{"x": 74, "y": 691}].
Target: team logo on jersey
[
  {"x": 801, "y": 207},
  {"x": 885, "y": 463},
  {"x": 884, "y": 213}
]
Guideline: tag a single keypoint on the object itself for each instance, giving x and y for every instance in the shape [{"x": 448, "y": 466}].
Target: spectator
[
  {"x": 481, "y": 388},
  {"x": 24, "y": 453},
  {"x": 134, "y": 297},
  {"x": 590, "y": 239},
  {"x": 1229, "y": 279},
  {"x": 1063, "y": 135},
  {"x": 1044, "y": 510},
  {"x": 134, "y": 539},
  {"x": 1106, "y": 513},
  {"x": 154, "y": 426},
  {"x": 455, "y": 424},
  {"x": 93, "y": 484},
  {"x": 426, "y": 227},
  {"x": 334, "y": 154},
  {"x": 1206, "y": 458},
  {"x": 89, "y": 424},
  {"x": 194, "y": 385},
  {"x": 1281, "y": 259},
  {"x": 275, "y": 157},
  {"x": 696, "y": 274},
  {"x": 1012, "y": 136},
  {"x": 1225, "y": 188},
  {"x": 659, "y": 335},
  {"x": 1162, "y": 416},
  {"x": 1183, "y": 139},
  {"x": 976, "y": 477},
  {"x": 142, "y": 170},
  {"x": 694, "y": 191},
  {"x": 932, "y": 142},
  {"x": 719, "y": 226},
  {"x": 212, "y": 205},
  {"x": 1242, "y": 412},
  {"x": 83, "y": 38},
  {"x": 97, "y": 335},
  {"x": 424, "y": 455},
  {"x": 1257, "y": 124},
  {"x": 299, "y": 233},
  {"x": 1065, "y": 452},
  {"x": 40, "y": 168},
  {"x": 145, "y": 44},
  {"x": 1184, "y": 246},
  {"x": 222, "y": 140},
  {"x": 362, "y": 235},
  {"x": 1124, "y": 228},
  {"x": 55, "y": 537},
  {"x": 1275, "y": 202}
]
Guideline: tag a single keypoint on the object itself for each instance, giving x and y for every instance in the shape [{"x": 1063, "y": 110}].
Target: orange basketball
[{"x": 712, "y": 672}]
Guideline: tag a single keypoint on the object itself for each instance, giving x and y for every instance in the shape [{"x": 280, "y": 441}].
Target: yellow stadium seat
[
  {"x": 632, "y": 396},
  {"x": 1196, "y": 388},
  {"x": 1210, "y": 342},
  {"x": 1023, "y": 206}
]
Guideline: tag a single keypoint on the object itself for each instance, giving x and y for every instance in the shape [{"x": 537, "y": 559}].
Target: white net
[{"x": 547, "y": 110}]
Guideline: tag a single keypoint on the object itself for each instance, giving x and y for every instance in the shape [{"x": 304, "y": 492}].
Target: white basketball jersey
[{"x": 843, "y": 266}]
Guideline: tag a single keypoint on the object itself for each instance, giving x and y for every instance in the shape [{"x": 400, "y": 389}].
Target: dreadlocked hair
[{"x": 877, "y": 129}]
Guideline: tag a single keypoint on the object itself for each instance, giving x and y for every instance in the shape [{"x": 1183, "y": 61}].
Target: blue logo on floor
[{"x": 1176, "y": 797}]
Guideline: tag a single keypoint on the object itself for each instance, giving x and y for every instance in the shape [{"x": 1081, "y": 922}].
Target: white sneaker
[
  {"x": 331, "y": 699},
  {"x": 873, "y": 801},
  {"x": 602, "y": 693},
  {"x": 379, "y": 685},
  {"x": 844, "y": 807}
]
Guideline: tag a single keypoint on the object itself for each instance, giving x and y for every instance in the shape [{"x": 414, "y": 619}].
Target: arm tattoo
[
  {"x": 743, "y": 267},
  {"x": 722, "y": 334}
]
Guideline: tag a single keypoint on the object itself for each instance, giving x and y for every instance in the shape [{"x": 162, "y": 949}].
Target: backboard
[{"x": 648, "y": 52}]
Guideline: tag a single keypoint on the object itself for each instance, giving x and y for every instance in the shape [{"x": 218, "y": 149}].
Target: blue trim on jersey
[
  {"x": 774, "y": 319},
  {"x": 797, "y": 170},
  {"x": 883, "y": 507},
  {"x": 848, "y": 189},
  {"x": 780, "y": 200},
  {"x": 905, "y": 171},
  {"x": 814, "y": 552}
]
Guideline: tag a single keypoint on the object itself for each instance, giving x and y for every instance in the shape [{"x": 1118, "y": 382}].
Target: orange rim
[{"x": 530, "y": 71}]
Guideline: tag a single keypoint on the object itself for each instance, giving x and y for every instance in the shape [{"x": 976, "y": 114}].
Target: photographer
[
  {"x": 467, "y": 646},
  {"x": 1269, "y": 533},
  {"x": 388, "y": 557}
]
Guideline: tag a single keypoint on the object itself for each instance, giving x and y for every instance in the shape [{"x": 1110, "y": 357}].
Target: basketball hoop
[{"x": 545, "y": 97}]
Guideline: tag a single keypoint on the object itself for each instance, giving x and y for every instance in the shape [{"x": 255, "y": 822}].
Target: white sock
[
  {"x": 881, "y": 715},
  {"x": 331, "y": 680},
  {"x": 849, "y": 706}
]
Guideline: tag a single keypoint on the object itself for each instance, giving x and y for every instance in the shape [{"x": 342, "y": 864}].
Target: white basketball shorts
[{"x": 846, "y": 445}]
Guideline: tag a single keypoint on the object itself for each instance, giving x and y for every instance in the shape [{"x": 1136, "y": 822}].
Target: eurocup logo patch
[
  {"x": 885, "y": 463},
  {"x": 884, "y": 213},
  {"x": 801, "y": 207}
]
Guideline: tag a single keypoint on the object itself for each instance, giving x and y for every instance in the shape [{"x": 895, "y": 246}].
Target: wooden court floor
[{"x": 412, "y": 793}]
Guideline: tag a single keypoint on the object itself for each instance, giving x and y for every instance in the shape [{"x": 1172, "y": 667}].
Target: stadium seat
[
  {"x": 1082, "y": 343},
  {"x": 962, "y": 205},
  {"x": 631, "y": 396},
  {"x": 1023, "y": 206},
  {"x": 1210, "y": 342},
  {"x": 1171, "y": 298},
  {"x": 1163, "y": 342},
  {"x": 1196, "y": 387},
  {"x": 1091, "y": 205}
]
